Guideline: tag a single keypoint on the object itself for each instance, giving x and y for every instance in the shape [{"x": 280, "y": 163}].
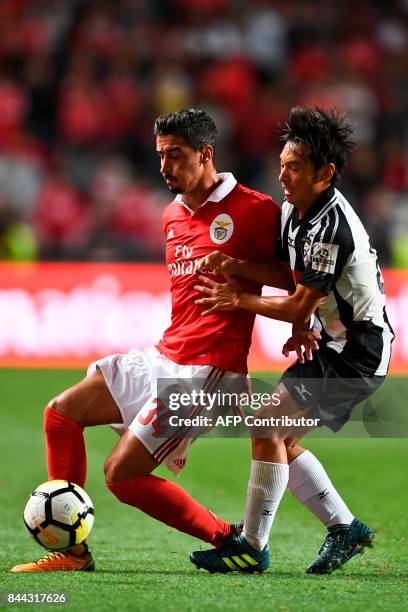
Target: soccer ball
[{"x": 59, "y": 514}]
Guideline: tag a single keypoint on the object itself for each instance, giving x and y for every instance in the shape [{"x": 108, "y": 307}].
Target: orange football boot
[{"x": 59, "y": 561}]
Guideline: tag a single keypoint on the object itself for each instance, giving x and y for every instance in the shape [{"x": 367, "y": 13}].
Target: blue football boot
[
  {"x": 342, "y": 543},
  {"x": 235, "y": 555}
]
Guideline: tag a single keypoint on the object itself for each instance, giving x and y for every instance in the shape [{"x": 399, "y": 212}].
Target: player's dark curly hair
[
  {"x": 322, "y": 134},
  {"x": 192, "y": 124}
]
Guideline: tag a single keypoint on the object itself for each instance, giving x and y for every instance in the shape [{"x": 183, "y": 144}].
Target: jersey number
[{"x": 149, "y": 414}]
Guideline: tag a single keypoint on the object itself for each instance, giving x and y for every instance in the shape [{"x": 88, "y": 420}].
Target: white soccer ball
[{"x": 59, "y": 514}]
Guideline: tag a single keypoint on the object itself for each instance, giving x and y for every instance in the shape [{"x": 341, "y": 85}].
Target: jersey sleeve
[
  {"x": 165, "y": 220},
  {"x": 266, "y": 232},
  {"x": 328, "y": 257}
]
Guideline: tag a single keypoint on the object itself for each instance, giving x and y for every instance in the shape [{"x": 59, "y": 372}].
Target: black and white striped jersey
[{"x": 330, "y": 250}]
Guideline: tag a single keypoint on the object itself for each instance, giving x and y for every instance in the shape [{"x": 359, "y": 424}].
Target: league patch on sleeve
[{"x": 324, "y": 256}]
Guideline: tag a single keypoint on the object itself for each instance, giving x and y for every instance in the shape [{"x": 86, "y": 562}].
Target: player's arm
[
  {"x": 276, "y": 274},
  {"x": 296, "y": 308}
]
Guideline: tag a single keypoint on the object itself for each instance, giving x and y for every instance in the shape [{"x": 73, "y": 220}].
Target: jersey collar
[
  {"x": 219, "y": 193},
  {"x": 323, "y": 203}
]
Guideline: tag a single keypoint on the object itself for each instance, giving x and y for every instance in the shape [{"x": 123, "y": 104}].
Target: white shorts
[{"x": 132, "y": 380}]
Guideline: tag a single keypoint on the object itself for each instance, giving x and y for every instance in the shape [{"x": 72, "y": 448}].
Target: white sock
[
  {"x": 310, "y": 484},
  {"x": 267, "y": 484}
]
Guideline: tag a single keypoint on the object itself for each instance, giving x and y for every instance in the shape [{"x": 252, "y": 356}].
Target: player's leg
[
  {"x": 310, "y": 484},
  {"x": 269, "y": 473},
  {"x": 341, "y": 389},
  {"x": 267, "y": 484},
  {"x": 142, "y": 447},
  {"x": 86, "y": 404},
  {"x": 128, "y": 476}
]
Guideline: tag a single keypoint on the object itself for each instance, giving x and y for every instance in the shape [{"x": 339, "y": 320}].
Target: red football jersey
[{"x": 239, "y": 222}]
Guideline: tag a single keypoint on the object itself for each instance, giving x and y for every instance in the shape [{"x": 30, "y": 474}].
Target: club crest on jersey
[
  {"x": 324, "y": 256},
  {"x": 221, "y": 229},
  {"x": 306, "y": 244}
]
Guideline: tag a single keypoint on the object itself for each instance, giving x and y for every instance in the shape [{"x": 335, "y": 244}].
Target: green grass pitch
[{"x": 143, "y": 565}]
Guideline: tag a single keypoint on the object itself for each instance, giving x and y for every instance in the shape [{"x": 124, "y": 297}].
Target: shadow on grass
[
  {"x": 198, "y": 573},
  {"x": 337, "y": 576}
]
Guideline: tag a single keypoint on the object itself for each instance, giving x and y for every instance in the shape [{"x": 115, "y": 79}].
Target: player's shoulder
[
  {"x": 345, "y": 209},
  {"x": 251, "y": 197},
  {"x": 347, "y": 220},
  {"x": 171, "y": 210},
  {"x": 338, "y": 222}
]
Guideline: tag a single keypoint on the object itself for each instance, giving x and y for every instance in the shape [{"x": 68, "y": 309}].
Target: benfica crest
[{"x": 221, "y": 229}]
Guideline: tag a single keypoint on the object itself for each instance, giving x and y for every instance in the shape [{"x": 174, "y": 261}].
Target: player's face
[
  {"x": 180, "y": 166},
  {"x": 298, "y": 176}
]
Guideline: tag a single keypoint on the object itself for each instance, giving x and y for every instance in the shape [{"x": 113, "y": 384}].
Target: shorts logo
[
  {"x": 221, "y": 229},
  {"x": 303, "y": 391},
  {"x": 324, "y": 256}
]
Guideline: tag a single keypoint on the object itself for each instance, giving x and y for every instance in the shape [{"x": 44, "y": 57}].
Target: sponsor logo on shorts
[
  {"x": 302, "y": 391},
  {"x": 324, "y": 256},
  {"x": 221, "y": 229}
]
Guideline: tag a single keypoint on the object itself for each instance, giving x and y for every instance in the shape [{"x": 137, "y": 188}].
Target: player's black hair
[
  {"x": 192, "y": 124},
  {"x": 322, "y": 134}
]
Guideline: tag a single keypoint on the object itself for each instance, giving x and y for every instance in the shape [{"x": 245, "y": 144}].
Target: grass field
[{"x": 143, "y": 565}]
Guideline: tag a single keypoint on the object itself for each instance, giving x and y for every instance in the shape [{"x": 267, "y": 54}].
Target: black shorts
[{"x": 328, "y": 387}]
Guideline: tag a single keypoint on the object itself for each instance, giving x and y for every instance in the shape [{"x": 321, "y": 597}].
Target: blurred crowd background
[{"x": 81, "y": 82}]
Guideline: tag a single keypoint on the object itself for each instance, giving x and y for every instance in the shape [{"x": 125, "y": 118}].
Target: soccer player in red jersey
[{"x": 210, "y": 211}]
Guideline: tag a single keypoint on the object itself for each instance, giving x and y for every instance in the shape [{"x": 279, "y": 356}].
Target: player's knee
[
  {"x": 51, "y": 410},
  {"x": 64, "y": 405},
  {"x": 58, "y": 404},
  {"x": 266, "y": 444},
  {"x": 52, "y": 404},
  {"x": 114, "y": 470},
  {"x": 292, "y": 445},
  {"x": 109, "y": 471}
]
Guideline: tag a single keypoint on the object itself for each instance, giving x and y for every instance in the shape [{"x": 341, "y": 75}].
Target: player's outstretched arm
[
  {"x": 276, "y": 274},
  {"x": 296, "y": 308}
]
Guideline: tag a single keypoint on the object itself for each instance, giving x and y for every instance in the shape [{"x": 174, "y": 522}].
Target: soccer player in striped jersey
[{"x": 338, "y": 281}]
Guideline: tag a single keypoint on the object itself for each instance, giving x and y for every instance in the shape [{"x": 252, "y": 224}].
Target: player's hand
[
  {"x": 218, "y": 263},
  {"x": 218, "y": 296},
  {"x": 303, "y": 341}
]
